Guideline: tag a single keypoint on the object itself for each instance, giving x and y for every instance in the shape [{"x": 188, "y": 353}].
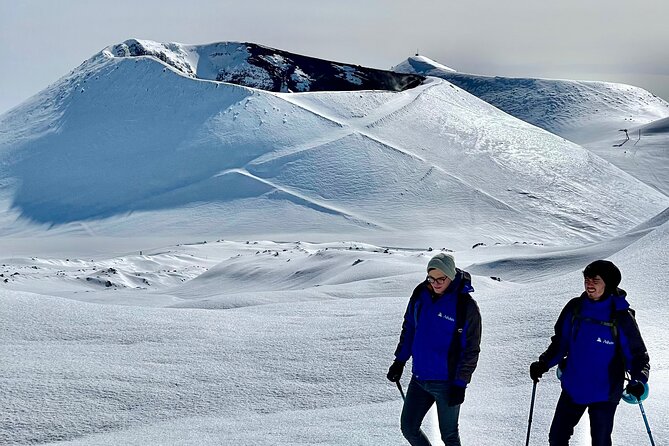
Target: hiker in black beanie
[{"x": 596, "y": 341}]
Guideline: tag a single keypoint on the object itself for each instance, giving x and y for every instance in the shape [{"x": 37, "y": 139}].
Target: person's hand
[
  {"x": 537, "y": 369},
  {"x": 636, "y": 389},
  {"x": 395, "y": 371},
  {"x": 456, "y": 395}
]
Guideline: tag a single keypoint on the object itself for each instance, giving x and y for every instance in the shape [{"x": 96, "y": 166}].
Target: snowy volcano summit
[
  {"x": 265, "y": 68},
  {"x": 146, "y": 137}
]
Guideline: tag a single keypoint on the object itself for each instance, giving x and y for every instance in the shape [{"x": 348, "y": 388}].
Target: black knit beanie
[{"x": 609, "y": 273}]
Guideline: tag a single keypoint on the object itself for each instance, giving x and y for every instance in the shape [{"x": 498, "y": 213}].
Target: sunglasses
[{"x": 439, "y": 281}]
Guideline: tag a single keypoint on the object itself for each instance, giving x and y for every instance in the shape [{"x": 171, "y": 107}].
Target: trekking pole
[
  {"x": 404, "y": 398},
  {"x": 645, "y": 420},
  {"x": 399, "y": 386},
  {"x": 633, "y": 399},
  {"x": 529, "y": 422}
]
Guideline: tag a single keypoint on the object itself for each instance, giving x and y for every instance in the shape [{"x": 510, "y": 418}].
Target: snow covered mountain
[
  {"x": 109, "y": 337},
  {"x": 575, "y": 110},
  {"x": 128, "y": 143}
]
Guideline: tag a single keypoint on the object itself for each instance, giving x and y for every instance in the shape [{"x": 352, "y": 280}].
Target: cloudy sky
[{"x": 610, "y": 40}]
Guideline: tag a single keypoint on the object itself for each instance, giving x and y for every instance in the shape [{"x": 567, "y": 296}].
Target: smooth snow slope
[
  {"x": 644, "y": 155},
  {"x": 129, "y": 145},
  {"x": 575, "y": 110}
]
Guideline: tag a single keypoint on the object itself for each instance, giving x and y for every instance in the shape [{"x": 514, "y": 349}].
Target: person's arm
[
  {"x": 559, "y": 346},
  {"x": 471, "y": 345},
  {"x": 637, "y": 361},
  {"x": 403, "y": 350}
]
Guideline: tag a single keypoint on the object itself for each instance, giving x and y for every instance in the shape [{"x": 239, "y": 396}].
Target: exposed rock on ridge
[{"x": 265, "y": 68}]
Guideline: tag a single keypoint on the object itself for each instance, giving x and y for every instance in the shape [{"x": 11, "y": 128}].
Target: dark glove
[
  {"x": 395, "y": 371},
  {"x": 456, "y": 395},
  {"x": 636, "y": 389},
  {"x": 537, "y": 369}
]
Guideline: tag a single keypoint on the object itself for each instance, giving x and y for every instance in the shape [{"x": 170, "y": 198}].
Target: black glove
[
  {"x": 395, "y": 371},
  {"x": 635, "y": 388},
  {"x": 456, "y": 395},
  {"x": 537, "y": 369}
]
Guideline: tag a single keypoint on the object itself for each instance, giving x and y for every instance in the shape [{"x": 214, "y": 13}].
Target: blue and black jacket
[
  {"x": 442, "y": 333},
  {"x": 595, "y": 343}
]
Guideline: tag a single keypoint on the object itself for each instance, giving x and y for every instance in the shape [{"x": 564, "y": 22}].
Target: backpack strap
[{"x": 577, "y": 318}]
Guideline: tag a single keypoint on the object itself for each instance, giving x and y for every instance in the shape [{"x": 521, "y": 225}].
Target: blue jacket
[
  {"x": 595, "y": 343},
  {"x": 442, "y": 333}
]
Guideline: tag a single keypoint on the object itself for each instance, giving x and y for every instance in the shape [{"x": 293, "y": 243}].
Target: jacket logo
[
  {"x": 605, "y": 341},
  {"x": 444, "y": 316}
]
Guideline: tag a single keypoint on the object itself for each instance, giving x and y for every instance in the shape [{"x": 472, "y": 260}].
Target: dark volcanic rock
[{"x": 267, "y": 68}]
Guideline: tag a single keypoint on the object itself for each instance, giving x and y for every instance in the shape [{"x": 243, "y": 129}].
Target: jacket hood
[
  {"x": 620, "y": 300},
  {"x": 465, "y": 281}
]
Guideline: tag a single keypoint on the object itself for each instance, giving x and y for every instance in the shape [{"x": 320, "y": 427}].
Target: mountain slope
[
  {"x": 575, "y": 110},
  {"x": 643, "y": 153},
  {"x": 129, "y": 145}
]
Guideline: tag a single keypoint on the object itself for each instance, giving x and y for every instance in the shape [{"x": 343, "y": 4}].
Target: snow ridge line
[
  {"x": 317, "y": 205},
  {"x": 359, "y": 127},
  {"x": 405, "y": 101}
]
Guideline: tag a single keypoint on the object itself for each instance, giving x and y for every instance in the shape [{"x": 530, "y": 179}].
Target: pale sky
[{"x": 608, "y": 40}]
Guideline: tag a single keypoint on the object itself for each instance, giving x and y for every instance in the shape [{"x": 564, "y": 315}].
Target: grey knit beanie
[{"x": 444, "y": 263}]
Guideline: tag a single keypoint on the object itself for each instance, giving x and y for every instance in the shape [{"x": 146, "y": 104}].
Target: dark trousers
[
  {"x": 568, "y": 414},
  {"x": 421, "y": 395}
]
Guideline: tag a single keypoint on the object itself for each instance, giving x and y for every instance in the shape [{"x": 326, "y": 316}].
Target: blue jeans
[
  {"x": 419, "y": 398},
  {"x": 568, "y": 414}
]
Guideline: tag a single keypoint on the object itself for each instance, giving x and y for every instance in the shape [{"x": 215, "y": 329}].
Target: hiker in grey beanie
[
  {"x": 442, "y": 333},
  {"x": 444, "y": 263}
]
